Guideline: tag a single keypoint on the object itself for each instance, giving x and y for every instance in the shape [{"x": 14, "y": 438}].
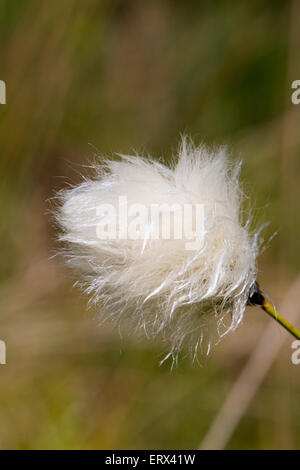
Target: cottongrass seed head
[{"x": 154, "y": 280}]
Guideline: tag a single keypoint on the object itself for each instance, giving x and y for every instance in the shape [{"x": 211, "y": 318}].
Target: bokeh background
[{"x": 99, "y": 77}]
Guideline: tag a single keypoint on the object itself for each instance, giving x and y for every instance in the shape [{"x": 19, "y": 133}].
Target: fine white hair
[{"x": 190, "y": 298}]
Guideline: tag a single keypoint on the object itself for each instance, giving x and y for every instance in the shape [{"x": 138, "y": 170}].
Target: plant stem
[{"x": 267, "y": 307}]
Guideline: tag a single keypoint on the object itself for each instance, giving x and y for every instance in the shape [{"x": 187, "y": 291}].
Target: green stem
[{"x": 280, "y": 319}]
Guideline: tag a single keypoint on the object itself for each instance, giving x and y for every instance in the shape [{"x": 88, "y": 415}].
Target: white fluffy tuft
[{"x": 190, "y": 298}]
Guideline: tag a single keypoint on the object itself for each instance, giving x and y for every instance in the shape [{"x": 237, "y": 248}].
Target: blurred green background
[{"x": 117, "y": 76}]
